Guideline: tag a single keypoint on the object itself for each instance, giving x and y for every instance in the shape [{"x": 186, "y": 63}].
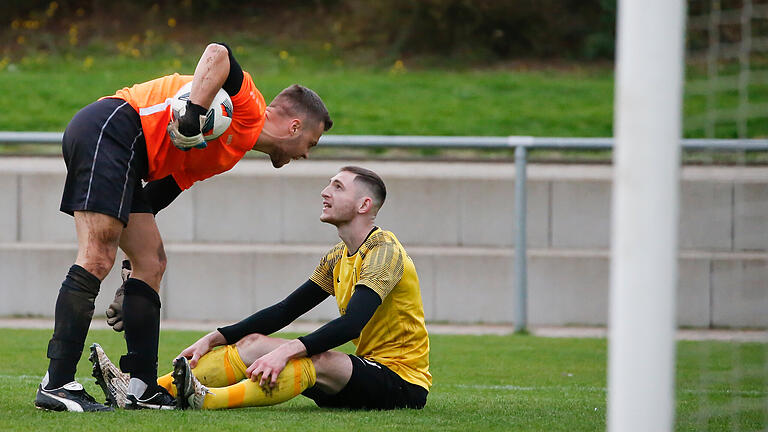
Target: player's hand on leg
[
  {"x": 193, "y": 353},
  {"x": 115, "y": 309},
  {"x": 202, "y": 346},
  {"x": 267, "y": 368}
]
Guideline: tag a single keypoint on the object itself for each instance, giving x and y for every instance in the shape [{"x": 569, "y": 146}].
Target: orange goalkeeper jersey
[{"x": 152, "y": 101}]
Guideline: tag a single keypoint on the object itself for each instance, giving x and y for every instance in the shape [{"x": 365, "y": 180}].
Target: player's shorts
[
  {"x": 372, "y": 386},
  {"x": 106, "y": 158}
]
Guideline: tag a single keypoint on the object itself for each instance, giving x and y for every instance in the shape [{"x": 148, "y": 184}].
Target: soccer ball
[{"x": 219, "y": 115}]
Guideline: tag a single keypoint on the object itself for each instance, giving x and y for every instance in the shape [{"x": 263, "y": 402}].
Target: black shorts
[
  {"x": 372, "y": 386},
  {"x": 106, "y": 158}
]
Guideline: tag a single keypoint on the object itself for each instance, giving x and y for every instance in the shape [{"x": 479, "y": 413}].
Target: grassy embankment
[{"x": 41, "y": 93}]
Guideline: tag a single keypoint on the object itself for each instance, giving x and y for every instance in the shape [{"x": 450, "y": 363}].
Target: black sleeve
[
  {"x": 235, "y": 78},
  {"x": 343, "y": 329},
  {"x": 275, "y": 317},
  {"x": 161, "y": 192}
]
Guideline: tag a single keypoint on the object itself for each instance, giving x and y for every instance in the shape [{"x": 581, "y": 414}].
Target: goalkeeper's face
[
  {"x": 341, "y": 199},
  {"x": 295, "y": 144}
]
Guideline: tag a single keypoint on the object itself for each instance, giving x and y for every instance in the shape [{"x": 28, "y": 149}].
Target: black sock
[
  {"x": 74, "y": 310},
  {"x": 141, "y": 317}
]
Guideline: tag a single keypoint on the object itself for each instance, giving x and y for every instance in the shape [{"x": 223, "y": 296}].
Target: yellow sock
[
  {"x": 220, "y": 367},
  {"x": 166, "y": 381},
  {"x": 297, "y": 376}
]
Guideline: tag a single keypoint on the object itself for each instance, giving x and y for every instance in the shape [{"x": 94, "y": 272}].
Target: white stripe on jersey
[{"x": 155, "y": 108}]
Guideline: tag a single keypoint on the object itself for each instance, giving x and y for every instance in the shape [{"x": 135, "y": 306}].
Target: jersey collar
[{"x": 364, "y": 240}]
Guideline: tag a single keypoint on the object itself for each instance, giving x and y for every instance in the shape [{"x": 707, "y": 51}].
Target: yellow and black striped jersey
[{"x": 396, "y": 335}]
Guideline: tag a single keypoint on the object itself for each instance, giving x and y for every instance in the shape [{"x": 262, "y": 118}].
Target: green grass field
[
  {"x": 42, "y": 91},
  {"x": 481, "y": 383},
  {"x": 43, "y": 94}
]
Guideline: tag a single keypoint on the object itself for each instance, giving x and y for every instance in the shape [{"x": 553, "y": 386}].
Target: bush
[
  {"x": 480, "y": 29},
  {"x": 506, "y": 29}
]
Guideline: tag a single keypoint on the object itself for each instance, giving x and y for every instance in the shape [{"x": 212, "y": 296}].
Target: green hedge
[
  {"x": 504, "y": 29},
  {"x": 482, "y": 29}
]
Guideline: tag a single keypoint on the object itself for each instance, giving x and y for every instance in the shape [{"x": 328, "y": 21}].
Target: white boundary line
[{"x": 594, "y": 389}]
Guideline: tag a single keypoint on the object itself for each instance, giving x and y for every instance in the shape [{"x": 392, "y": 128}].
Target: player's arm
[
  {"x": 234, "y": 80},
  {"x": 361, "y": 307},
  {"x": 277, "y": 316},
  {"x": 212, "y": 72},
  {"x": 265, "y": 321}
]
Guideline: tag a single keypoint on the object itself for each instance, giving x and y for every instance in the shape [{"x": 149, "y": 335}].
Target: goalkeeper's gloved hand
[
  {"x": 186, "y": 125},
  {"x": 115, "y": 309}
]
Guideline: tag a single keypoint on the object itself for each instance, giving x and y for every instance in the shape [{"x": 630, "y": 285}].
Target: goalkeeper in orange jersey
[
  {"x": 377, "y": 292},
  {"x": 109, "y": 148}
]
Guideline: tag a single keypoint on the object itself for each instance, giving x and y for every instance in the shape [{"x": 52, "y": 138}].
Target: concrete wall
[{"x": 242, "y": 240}]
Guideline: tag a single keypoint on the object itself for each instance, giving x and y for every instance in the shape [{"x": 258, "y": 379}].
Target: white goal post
[{"x": 647, "y": 126}]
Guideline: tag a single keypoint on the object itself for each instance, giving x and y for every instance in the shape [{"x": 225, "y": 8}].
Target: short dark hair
[
  {"x": 300, "y": 100},
  {"x": 371, "y": 180}
]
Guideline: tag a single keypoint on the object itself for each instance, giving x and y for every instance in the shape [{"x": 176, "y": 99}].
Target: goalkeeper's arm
[{"x": 216, "y": 69}]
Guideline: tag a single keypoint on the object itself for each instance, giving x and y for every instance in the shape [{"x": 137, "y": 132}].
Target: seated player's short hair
[
  {"x": 372, "y": 181},
  {"x": 302, "y": 101}
]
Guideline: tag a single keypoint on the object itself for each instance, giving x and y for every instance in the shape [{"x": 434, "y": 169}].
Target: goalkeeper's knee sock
[
  {"x": 220, "y": 367},
  {"x": 74, "y": 310},
  {"x": 141, "y": 317},
  {"x": 297, "y": 376}
]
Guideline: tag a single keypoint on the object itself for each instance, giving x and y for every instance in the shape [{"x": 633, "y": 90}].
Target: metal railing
[{"x": 521, "y": 144}]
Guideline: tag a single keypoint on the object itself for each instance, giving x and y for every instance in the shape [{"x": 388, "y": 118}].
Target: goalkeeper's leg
[{"x": 143, "y": 245}]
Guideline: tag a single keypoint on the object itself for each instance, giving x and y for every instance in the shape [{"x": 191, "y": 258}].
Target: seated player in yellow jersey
[{"x": 377, "y": 292}]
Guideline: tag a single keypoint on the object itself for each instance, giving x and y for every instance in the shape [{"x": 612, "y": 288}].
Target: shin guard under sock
[
  {"x": 74, "y": 310},
  {"x": 141, "y": 317}
]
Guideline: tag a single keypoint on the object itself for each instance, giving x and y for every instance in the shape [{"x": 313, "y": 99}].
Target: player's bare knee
[
  {"x": 153, "y": 265},
  {"x": 153, "y": 272},
  {"x": 99, "y": 255},
  {"x": 162, "y": 260},
  {"x": 322, "y": 360},
  {"x": 249, "y": 341},
  {"x": 99, "y": 264},
  {"x": 104, "y": 236}
]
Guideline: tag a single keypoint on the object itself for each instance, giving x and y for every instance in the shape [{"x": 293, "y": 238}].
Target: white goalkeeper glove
[{"x": 185, "y": 127}]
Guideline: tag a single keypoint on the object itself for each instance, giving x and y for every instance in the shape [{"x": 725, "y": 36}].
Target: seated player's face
[{"x": 340, "y": 199}]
